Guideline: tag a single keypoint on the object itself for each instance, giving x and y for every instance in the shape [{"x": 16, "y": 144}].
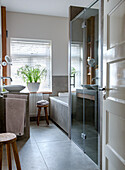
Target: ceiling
[{"x": 44, "y": 7}]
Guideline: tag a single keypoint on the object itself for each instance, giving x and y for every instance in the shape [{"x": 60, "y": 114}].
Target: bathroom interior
[{"x": 73, "y": 99}]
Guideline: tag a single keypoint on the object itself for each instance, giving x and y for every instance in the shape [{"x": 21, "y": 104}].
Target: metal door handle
[
  {"x": 107, "y": 89},
  {"x": 101, "y": 89}
]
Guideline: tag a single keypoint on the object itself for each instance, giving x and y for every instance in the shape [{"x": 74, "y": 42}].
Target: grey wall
[
  {"x": 59, "y": 84},
  {"x": 77, "y": 31},
  {"x": 21, "y": 25}
]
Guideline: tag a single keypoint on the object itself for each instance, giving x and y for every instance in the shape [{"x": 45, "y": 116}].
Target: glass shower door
[
  {"x": 85, "y": 81},
  {"x": 90, "y": 86}
]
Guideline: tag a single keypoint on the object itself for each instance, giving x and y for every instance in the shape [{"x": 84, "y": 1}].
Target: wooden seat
[
  {"x": 7, "y": 139},
  {"x": 39, "y": 111}
]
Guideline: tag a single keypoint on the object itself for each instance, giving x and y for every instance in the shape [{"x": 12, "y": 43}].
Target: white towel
[
  {"x": 42, "y": 102},
  {"x": 15, "y": 114},
  {"x": 20, "y": 96}
]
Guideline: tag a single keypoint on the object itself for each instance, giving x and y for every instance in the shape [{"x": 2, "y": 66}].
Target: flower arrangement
[{"x": 32, "y": 74}]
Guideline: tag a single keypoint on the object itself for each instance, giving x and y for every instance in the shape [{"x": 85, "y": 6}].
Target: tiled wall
[{"x": 59, "y": 84}]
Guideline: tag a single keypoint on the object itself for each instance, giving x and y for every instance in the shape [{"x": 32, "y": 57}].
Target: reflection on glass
[
  {"x": 117, "y": 79},
  {"x": 84, "y": 82},
  {"x": 117, "y": 74}
]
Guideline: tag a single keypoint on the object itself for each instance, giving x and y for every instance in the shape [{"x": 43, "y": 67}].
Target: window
[
  {"x": 31, "y": 52},
  {"x": 76, "y": 65}
]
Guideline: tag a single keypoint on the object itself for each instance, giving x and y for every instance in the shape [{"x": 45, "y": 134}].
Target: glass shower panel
[
  {"x": 84, "y": 82},
  {"x": 76, "y": 81},
  {"x": 90, "y": 88}
]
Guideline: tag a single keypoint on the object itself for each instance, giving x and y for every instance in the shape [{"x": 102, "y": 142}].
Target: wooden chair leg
[
  {"x": 16, "y": 156},
  {"x": 38, "y": 116},
  {"x": 46, "y": 115},
  {"x": 9, "y": 156},
  {"x": 1, "y": 151}
]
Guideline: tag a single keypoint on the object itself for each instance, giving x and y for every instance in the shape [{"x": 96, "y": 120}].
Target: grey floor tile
[
  {"x": 49, "y": 149},
  {"x": 30, "y": 157},
  {"x": 65, "y": 156},
  {"x": 33, "y": 125},
  {"x": 48, "y": 134}
]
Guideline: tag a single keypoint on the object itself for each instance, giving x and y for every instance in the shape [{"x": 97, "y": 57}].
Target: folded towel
[
  {"x": 42, "y": 102},
  {"x": 15, "y": 114}
]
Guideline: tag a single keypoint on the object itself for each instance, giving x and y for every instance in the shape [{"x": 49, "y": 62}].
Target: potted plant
[
  {"x": 32, "y": 75},
  {"x": 73, "y": 71}
]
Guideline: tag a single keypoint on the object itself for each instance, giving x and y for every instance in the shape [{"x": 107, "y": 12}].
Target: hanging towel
[
  {"x": 21, "y": 96},
  {"x": 15, "y": 114}
]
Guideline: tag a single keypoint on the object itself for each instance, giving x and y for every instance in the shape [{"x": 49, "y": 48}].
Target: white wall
[{"x": 21, "y": 25}]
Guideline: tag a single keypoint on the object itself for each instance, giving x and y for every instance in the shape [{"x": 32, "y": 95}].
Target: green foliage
[
  {"x": 73, "y": 71},
  {"x": 32, "y": 74}
]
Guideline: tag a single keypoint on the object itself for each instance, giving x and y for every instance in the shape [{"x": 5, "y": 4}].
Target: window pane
[{"x": 31, "y": 52}]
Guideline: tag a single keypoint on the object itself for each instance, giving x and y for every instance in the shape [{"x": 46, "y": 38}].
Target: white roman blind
[{"x": 31, "y": 52}]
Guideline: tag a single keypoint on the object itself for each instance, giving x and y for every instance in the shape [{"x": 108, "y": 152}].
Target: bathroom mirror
[
  {"x": 91, "y": 62},
  {"x": 8, "y": 60}
]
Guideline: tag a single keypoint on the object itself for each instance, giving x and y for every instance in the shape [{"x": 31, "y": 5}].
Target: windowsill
[
  {"x": 43, "y": 92},
  {"x": 38, "y": 92},
  {"x": 47, "y": 92}
]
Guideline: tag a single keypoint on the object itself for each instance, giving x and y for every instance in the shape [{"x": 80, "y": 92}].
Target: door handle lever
[
  {"x": 102, "y": 89},
  {"x": 107, "y": 89}
]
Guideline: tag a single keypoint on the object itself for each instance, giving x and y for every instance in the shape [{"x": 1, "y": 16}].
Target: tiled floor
[{"x": 50, "y": 149}]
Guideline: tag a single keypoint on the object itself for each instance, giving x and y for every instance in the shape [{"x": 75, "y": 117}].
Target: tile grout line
[
  {"x": 42, "y": 156},
  {"x": 46, "y": 142},
  {"x": 40, "y": 152}
]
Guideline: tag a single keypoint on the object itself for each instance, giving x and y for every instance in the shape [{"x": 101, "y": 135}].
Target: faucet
[
  {"x": 6, "y": 78},
  {"x": 95, "y": 78}
]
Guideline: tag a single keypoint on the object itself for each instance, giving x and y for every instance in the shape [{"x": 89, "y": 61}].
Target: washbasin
[
  {"x": 94, "y": 86},
  {"x": 87, "y": 86},
  {"x": 14, "y": 88},
  {"x": 90, "y": 86}
]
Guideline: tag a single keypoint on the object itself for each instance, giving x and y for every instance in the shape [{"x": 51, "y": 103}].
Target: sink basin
[
  {"x": 88, "y": 86},
  {"x": 94, "y": 86},
  {"x": 14, "y": 88}
]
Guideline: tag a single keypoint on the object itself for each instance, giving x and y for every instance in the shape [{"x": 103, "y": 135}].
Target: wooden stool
[
  {"x": 9, "y": 138},
  {"x": 39, "y": 111}
]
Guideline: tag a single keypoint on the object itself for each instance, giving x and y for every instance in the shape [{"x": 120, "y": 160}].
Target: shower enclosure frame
[{"x": 100, "y": 57}]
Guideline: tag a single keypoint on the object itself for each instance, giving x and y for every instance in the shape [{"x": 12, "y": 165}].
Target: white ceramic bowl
[{"x": 14, "y": 88}]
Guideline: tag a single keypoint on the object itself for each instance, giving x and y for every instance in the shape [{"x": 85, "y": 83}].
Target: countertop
[{"x": 87, "y": 91}]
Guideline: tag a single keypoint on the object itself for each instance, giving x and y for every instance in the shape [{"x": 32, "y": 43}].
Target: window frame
[{"x": 49, "y": 91}]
